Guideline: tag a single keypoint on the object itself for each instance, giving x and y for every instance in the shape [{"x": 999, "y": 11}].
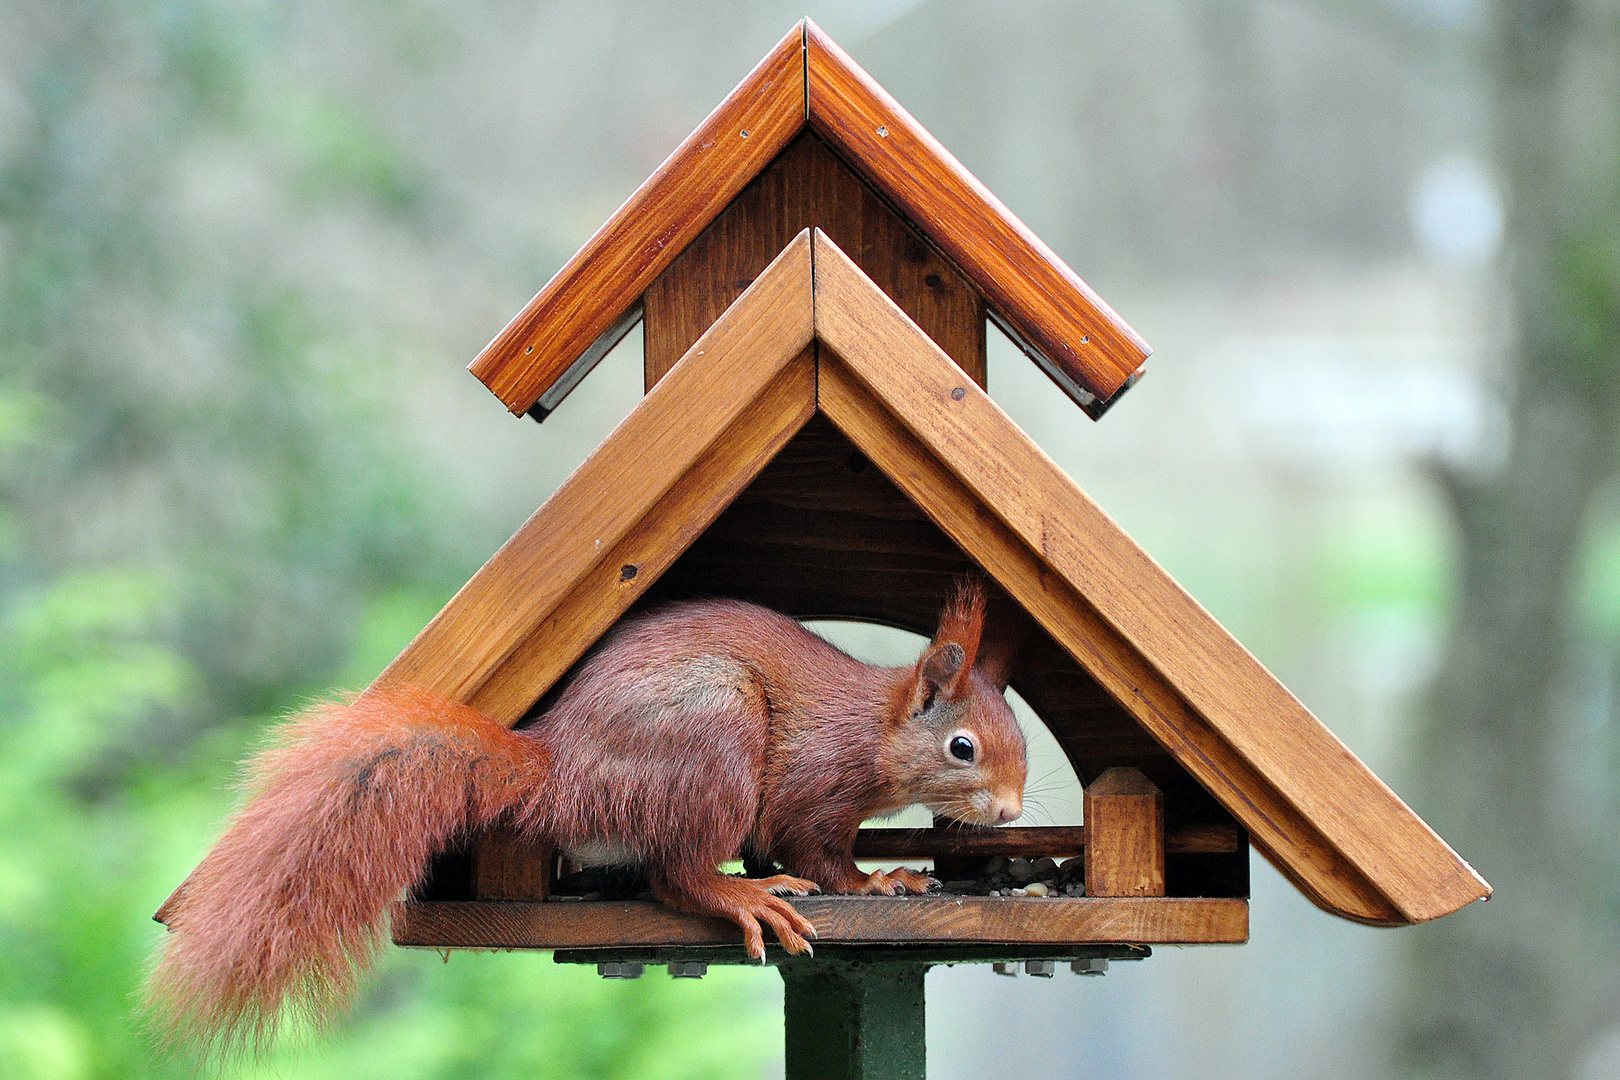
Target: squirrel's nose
[{"x": 1008, "y": 809}]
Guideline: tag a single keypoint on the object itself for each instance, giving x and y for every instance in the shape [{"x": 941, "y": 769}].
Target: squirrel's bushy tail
[{"x": 342, "y": 815}]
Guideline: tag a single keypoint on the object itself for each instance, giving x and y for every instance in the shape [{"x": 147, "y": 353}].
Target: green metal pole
[{"x": 854, "y": 1019}]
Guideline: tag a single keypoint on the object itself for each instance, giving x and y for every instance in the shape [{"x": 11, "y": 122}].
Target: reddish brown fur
[
  {"x": 691, "y": 734},
  {"x": 343, "y": 814}
]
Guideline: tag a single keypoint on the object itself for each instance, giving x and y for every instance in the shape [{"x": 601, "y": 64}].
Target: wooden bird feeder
[{"x": 814, "y": 273}]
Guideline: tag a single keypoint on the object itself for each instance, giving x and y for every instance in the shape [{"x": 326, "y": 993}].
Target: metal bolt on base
[{"x": 856, "y": 1012}]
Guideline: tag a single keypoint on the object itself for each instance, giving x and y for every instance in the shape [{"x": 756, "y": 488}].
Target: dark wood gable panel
[{"x": 807, "y": 186}]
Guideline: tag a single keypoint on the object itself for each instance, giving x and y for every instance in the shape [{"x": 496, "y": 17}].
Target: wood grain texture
[
  {"x": 840, "y": 919},
  {"x": 664, "y": 214},
  {"x": 616, "y": 487},
  {"x": 1251, "y": 716},
  {"x": 1023, "y": 279},
  {"x": 1056, "y": 841},
  {"x": 808, "y": 186},
  {"x": 1125, "y": 827},
  {"x": 508, "y": 866}
]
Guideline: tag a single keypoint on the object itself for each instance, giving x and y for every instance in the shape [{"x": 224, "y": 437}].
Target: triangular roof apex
[{"x": 808, "y": 81}]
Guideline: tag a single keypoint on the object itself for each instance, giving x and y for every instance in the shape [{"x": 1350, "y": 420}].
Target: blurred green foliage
[{"x": 204, "y": 522}]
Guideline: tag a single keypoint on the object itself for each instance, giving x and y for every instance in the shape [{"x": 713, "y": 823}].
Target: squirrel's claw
[
  {"x": 748, "y": 902},
  {"x": 789, "y": 925}
]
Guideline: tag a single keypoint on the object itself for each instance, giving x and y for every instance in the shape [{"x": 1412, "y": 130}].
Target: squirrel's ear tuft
[
  {"x": 962, "y": 621},
  {"x": 944, "y": 668}
]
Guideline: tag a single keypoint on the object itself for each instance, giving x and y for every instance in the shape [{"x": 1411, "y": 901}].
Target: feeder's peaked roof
[
  {"x": 807, "y": 80},
  {"x": 813, "y": 333}
]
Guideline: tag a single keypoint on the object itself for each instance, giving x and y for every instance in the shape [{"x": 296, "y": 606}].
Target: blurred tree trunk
[{"x": 1512, "y": 988}]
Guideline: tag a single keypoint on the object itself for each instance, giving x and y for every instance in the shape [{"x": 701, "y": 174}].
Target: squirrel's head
[{"x": 957, "y": 745}]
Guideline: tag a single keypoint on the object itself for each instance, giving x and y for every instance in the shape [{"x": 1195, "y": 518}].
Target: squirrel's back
[{"x": 673, "y": 717}]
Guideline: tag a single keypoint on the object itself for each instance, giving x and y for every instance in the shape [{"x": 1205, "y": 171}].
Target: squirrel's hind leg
[{"x": 746, "y": 902}]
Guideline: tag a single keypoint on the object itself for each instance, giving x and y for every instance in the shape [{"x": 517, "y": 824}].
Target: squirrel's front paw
[{"x": 895, "y": 883}]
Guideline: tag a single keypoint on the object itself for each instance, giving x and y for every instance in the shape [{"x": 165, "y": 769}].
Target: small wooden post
[
  {"x": 1124, "y": 835},
  {"x": 508, "y": 866}
]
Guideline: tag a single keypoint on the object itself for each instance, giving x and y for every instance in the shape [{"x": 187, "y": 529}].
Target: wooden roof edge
[
  {"x": 1244, "y": 705},
  {"x": 1046, "y": 308},
  {"x": 1069, "y": 331},
  {"x": 550, "y": 339},
  {"x": 1400, "y": 853}
]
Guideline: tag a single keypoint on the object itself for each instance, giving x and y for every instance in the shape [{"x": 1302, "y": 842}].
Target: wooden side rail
[
  {"x": 505, "y": 867},
  {"x": 1061, "y": 841}
]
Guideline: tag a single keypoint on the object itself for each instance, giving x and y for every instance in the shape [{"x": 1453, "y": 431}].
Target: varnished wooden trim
[
  {"x": 1026, "y": 283},
  {"x": 1249, "y": 722},
  {"x": 606, "y": 276},
  {"x": 659, "y": 443},
  {"x": 838, "y": 919}
]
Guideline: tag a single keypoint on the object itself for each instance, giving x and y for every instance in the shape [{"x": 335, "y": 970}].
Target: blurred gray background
[{"x": 246, "y": 250}]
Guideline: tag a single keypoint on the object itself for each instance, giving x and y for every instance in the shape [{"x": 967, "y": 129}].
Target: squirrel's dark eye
[{"x": 962, "y": 748}]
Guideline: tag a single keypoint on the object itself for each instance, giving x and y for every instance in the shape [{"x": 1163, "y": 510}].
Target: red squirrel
[{"x": 690, "y": 735}]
